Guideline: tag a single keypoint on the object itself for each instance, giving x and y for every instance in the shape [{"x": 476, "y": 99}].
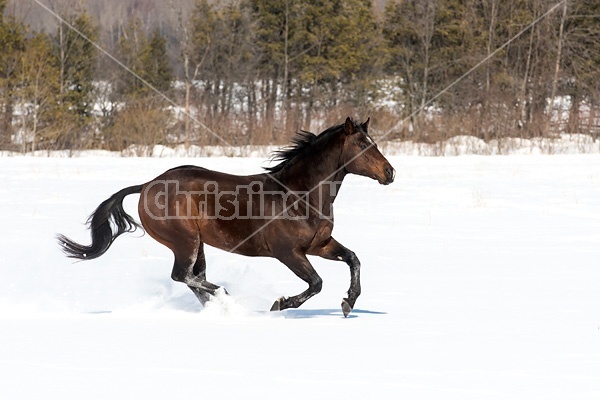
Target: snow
[{"x": 480, "y": 281}]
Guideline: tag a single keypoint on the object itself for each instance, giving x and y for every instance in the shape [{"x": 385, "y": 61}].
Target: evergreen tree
[
  {"x": 195, "y": 35},
  {"x": 409, "y": 29},
  {"x": 146, "y": 56},
  {"x": 133, "y": 41},
  {"x": 278, "y": 32},
  {"x": 155, "y": 63},
  {"x": 341, "y": 42},
  {"x": 321, "y": 53},
  {"x": 231, "y": 59},
  {"x": 76, "y": 57},
  {"x": 38, "y": 94},
  {"x": 144, "y": 119},
  {"x": 580, "y": 64},
  {"x": 12, "y": 43}
]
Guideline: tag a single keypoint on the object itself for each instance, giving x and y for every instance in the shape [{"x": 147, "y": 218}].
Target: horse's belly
[{"x": 234, "y": 235}]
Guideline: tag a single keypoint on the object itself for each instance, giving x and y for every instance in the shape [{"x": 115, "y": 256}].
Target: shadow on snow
[{"x": 326, "y": 312}]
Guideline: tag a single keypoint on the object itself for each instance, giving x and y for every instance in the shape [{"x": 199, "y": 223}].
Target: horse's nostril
[{"x": 389, "y": 172}]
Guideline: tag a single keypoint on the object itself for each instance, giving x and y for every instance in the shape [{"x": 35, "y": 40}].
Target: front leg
[
  {"x": 299, "y": 264},
  {"x": 333, "y": 250}
]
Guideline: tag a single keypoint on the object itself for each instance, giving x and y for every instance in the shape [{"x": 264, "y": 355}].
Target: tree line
[{"x": 255, "y": 71}]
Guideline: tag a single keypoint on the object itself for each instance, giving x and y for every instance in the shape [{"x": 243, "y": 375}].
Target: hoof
[
  {"x": 221, "y": 291},
  {"x": 346, "y": 308},
  {"x": 278, "y": 304}
]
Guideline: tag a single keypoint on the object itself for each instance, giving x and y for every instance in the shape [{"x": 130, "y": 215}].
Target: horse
[{"x": 285, "y": 212}]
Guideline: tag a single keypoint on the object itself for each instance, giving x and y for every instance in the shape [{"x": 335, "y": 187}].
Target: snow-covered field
[{"x": 481, "y": 280}]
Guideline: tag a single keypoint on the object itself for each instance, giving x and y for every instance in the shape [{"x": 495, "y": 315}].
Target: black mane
[{"x": 300, "y": 142}]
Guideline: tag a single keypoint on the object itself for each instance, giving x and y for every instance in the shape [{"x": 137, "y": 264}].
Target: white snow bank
[{"x": 455, "y": 146}]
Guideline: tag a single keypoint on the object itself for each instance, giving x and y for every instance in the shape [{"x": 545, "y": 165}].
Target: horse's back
[{"x": 193, "y": 175}]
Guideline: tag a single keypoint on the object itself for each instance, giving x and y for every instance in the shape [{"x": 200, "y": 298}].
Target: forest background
[{"x": 256, "y": 71}]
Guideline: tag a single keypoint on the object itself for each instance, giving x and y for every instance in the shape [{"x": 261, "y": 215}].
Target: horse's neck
[{"x": 322, "y": 166}]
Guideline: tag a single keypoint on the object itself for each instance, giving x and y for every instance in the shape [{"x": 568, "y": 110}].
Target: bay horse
[{"x": 285, "y": 213}]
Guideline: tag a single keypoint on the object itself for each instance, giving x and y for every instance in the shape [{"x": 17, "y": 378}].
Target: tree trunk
[
  {"x": 188, "y": 87},
  {"x": 524, "y": 114},
  {"x": 557, "y": 65},
  {"x": 485, "y": 117}
]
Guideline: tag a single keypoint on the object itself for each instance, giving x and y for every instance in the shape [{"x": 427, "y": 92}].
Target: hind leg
[{"x": 192, "y": 272}]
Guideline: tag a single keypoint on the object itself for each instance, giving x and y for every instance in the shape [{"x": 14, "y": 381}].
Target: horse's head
[{"x": 360, "y": 154}]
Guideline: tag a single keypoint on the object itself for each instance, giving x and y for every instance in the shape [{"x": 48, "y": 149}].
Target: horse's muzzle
[{"x": 390, "y": 174}]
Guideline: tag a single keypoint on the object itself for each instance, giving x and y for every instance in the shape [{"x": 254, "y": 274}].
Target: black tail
[{"x": 100, "y": 226}]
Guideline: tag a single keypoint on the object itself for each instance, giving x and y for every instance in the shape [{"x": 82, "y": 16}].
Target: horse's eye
[{"x": 363, "y": 145}]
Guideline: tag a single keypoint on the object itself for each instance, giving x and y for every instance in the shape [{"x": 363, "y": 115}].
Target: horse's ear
[
  {"x": 365, "y": 125},
  {"x": 349, "y": 127}
]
